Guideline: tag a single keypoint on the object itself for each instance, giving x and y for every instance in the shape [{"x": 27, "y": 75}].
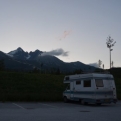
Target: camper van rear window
[
  {"x": 87, "y": 83},
  {"x": 99, "y": 82}
]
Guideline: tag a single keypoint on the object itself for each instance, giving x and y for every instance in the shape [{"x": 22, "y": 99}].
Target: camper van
[{"x": 93, "y": 88}]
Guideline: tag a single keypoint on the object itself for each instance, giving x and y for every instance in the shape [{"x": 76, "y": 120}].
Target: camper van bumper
[
  {"x": 100, "y": 101},
  {"x": 106, "y": 101},
  {"x": 94, "y": 101}
]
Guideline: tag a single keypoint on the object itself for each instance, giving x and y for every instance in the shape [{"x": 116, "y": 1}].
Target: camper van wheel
[
  {"x": 98, "y": 103},
  {"x": 65, "y": 99},
  {"x": 83, "y": 102}
]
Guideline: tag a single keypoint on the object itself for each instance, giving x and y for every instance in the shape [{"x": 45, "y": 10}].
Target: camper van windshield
[{"x": 99, "y": 82}]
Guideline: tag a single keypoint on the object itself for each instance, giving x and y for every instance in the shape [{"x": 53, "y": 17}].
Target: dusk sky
[{"x": 79, "y": 28}]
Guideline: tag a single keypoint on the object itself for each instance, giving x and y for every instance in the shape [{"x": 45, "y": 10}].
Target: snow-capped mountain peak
[
  {"x": 19, "y": 53},
  {"x": 19, "y": 49},
  {"x": 15, "y": 51},
  {"x": 28, "y": 57}
]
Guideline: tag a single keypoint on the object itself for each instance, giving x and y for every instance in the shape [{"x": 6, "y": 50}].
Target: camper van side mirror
[{"x": 67, "y": 78}]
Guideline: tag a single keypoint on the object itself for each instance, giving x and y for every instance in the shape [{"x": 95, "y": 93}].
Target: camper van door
[{"x": 72, "y": 89}]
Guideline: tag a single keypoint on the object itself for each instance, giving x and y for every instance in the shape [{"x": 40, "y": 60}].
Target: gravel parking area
[{"x": 58, "y": 111}]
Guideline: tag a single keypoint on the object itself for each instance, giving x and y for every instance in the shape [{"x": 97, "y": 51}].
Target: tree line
[{"x": 2, "y": 66}]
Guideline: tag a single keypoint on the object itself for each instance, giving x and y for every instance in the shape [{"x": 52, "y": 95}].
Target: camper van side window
[
  {"x": 87, "y": 83},
  {"x": 78, "y": 82},
  {"x": 99, "y": 82}
]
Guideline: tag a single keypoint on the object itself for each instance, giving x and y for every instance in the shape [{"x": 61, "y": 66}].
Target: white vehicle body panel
[{"x": 95, "y": 88}]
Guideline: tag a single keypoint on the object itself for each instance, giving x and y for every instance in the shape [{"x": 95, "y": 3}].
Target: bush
[{"x": 16, "y": 86}]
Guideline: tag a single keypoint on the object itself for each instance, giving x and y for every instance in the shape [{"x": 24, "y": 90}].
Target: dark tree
[
  {"x": 110, "y": 43},
  {"x": 2, "y": 66},
  {"x": 78, "y": 71},
  {"x": 99, "y": 63},
  {"x": 58, "y": 71},
  {"x": 36, "y": 70}
]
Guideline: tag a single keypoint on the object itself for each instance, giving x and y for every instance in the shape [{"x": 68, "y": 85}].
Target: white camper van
[{"x": 90, "y": 88}]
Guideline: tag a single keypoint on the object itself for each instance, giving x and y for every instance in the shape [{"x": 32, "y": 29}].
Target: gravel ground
[{"x": 58, "y": 111}]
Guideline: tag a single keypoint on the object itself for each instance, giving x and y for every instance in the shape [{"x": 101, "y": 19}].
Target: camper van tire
[
  {"x": 98, "y": 103},
  {"x": 65, "y": 99},
  {"x": 83, "y": 102}
]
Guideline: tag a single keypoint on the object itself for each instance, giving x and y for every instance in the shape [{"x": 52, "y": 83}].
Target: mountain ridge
[{"x": 21, "y": 60}]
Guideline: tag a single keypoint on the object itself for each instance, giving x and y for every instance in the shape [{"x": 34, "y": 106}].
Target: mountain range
[{"x": 20, "y": 60}]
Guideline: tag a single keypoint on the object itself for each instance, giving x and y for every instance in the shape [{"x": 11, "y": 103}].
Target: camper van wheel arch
[{"x": 65, "y": 99}]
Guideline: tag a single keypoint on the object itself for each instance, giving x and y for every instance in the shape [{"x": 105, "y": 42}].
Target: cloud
[
  {"x": 56, "y": 52},
  {"x": 94, "y": 64},
  {"x": 65, "y": 34}
]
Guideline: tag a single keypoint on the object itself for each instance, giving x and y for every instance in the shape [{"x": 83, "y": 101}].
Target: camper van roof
[{"x": 68, "y": 78}]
